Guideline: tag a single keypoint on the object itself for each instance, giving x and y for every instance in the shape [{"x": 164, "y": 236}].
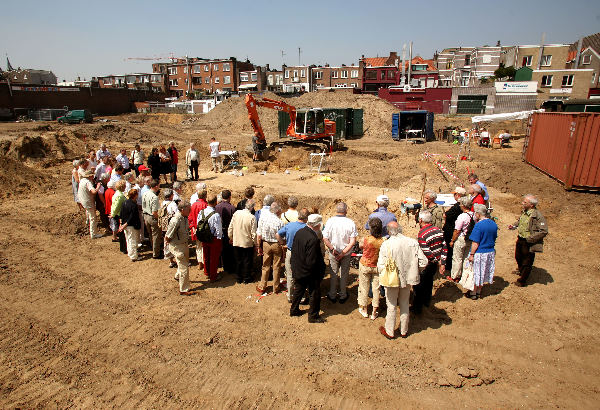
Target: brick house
[
  {"x": 467, "y": 66},
  {"x": 589, "y": 58},
  {"x": 274, "y": 81},
  {"x": 253, "y": 80},
  {"x": 29, "y": 76},
  {"x": 135, "y": 81},
  {"x": 386, "y": 72},
  {"x": 297, "y": 78},
  {"x": 337, "y": 77}
]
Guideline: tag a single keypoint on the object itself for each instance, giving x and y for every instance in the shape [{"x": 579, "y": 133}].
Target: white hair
[
  {"x": 200, "y": 186},
  {"x": 480, "y": 209},
  {"x": 430, "y": 194},
  {"x": 268, "y": 200},
  {"x": 465, "y": 201},
  {"x": 394, "y": 230},
  {"x": 275, "y": 207},
  {"x": 292, "y": 202},
  {"x": 75, "y": 163},
  {"x": 425, "y": 216},
  {"x": 477, "y": 188},
  {"x": 532, "y": 199}
]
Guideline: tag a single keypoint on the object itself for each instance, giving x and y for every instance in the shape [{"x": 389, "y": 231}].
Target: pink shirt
[{"x": 462, "y": 222}]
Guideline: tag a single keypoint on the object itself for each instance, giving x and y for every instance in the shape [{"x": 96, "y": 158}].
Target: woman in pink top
[
  {"x": 367, "y": 268},
  {"x": 460, "y": 242}
]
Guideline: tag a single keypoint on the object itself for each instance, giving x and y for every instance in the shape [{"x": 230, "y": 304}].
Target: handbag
[
  {"x": 467, "y": 280},
  {"x": 389, "y": 275}
]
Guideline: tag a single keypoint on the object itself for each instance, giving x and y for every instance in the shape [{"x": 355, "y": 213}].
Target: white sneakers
[{"x": 363, "y": 312}]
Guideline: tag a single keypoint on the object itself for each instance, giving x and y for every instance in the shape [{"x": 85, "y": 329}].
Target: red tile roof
[
  {"x": 421, "y": 60},
  {"x": 375, "y": 61}
]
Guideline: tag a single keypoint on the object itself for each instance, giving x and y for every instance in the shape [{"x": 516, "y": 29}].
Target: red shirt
[
  {"x": 193, "y": 218},
  {"x": 108, "y": 195},
  {"x": 478, "y": 200}
]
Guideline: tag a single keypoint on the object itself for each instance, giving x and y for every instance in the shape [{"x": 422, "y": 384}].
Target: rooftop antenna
[
  {"x": 282, "y": 54},
  {"x": 403, "y": 79},
  {"x": 299, "y": 52}
]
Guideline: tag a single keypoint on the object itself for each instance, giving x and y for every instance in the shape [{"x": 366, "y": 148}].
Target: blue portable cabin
[{"x": 413, "y": 125}]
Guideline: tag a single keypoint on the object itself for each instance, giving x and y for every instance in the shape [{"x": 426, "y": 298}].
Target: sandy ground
[{"x": 82, "y": 326}]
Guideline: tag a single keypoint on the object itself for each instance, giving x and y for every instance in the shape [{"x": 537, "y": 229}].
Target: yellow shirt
[{"x": 523, "y": 228}]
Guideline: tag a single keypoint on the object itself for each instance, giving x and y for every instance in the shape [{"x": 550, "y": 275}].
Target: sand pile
[
  {"x": 47, "y": 147},
  {"x": 16, "y": 178}
]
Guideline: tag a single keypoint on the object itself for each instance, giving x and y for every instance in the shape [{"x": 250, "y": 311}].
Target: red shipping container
[{"x": 566, "y": 146}]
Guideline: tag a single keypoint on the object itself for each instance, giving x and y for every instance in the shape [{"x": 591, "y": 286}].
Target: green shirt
[
  {"x": 117, "y": 204},
  {"x": 523, "y": 228}
]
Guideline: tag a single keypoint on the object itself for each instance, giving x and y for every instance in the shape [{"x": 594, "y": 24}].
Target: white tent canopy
[{"x": 520, "y": 115}]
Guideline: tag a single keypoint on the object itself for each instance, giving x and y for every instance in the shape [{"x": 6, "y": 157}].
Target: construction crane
[{"x": 308, "y": 126}]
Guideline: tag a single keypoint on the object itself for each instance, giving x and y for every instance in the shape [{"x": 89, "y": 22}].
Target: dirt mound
[
  {"x": 47, "y": 147},
  {"x": 17, "y": 178}
]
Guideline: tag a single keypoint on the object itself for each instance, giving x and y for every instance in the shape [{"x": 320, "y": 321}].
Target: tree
[{"x": 505, "y": 72}]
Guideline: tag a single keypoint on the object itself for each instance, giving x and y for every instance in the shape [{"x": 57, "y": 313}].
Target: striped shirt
[
  {"x": 268, "y": 225},
  {"x": 431, "y": 241}
]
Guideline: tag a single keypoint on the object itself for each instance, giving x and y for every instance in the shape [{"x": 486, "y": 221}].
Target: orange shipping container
[{"x": 566, "y": 146}]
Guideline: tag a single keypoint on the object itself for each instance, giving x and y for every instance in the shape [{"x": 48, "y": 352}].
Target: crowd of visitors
[{"x": 292, "y": 245}]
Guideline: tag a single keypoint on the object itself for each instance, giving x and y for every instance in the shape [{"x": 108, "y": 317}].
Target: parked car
[{"x": 76, "y": 116}]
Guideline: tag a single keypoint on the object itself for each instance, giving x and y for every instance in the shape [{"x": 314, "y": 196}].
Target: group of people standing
[{"x": 291, "y": 246}]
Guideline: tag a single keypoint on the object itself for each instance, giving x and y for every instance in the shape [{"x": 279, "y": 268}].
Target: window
[
  {"x": 303, "y": 73},
  {"x": 207, "y": 80},
  {"x": 108, "y": 81},
  {"x": 547, "y": 81},
  {"x": 527, "y": 61},
  {"x": 185, "y": 70},
  {"x": 226, "y": 67},
  {"x": 253, "y": 76},
  {"x": 287, "y": 73},
  {"x": 215, "y": 67},
  {"x": 295, "y": 73},
  {"x": 270, "y": 79},
  {"x": 172, "y": 70},
  {"x": 449, "y": 65},
  {"x": 354, "y": 74},
  {"x": 186, "y": 81},
  {"x": 217, "y": 80},
  {"x": 206, "y": 68},
  {"x": 486, "y": 59},
  {"x": 278, "y": 79},
  {"x": 197, "y": 68},
  {"x": 130, "y": 79},
  {"x": 567, "y": 80},
  {"x": 156, "y": 79},
  {"x": 371, "y": 75},
  {"x": 586, "y": 59},
  {"x": 334, "y": 74},
  {"x": 419, "y": 67},
  {"x": 344, "y": 74},
  {"x": 227, "y": 79},
  {"x": 391, "y": 75},
  {"x": 593, "y": 77},
  {"x": 173, "y": 82},
  {"x": 244, "y": 77},
  {"x": 467, "y": 60},
  {"x": 318, "y": 75},
  {"x": 546, "y": 61},
  {"x": 383, "y": 75}
]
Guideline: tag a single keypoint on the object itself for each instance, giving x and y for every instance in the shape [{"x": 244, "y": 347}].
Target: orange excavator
[{"x": 308, "y": 126}]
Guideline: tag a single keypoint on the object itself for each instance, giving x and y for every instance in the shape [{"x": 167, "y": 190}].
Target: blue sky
[{"x": 82, "y": 38}]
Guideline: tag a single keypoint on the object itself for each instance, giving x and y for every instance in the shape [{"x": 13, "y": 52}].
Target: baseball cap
[
  {"x": 382, "y": 198},
  {"x": 143, "y": 168},
  {"x": 460, "y": 190},
  {"x": 314, "y": 219}
]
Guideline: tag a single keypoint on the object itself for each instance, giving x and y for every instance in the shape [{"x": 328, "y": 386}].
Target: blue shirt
[
  {"x": 289, "y": 231},
  {"x": 486, "y": 196},
  {"x": 257, "y": 213},
  {"x": 485, "y": 233},
  {"x": 384, "y": 216}
]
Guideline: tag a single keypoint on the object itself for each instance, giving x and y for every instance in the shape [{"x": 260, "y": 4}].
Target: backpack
[
  {"x": 203, "y": 233},
  {"x": 470, "y": 227},
  {"x": 164, "y": 217}
]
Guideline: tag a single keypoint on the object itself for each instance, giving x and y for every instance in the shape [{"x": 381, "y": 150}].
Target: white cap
[
  {"x": 382, "y": 199},
  {"x": 460, "y": 190},
  {"x": 314, "y": 219}
]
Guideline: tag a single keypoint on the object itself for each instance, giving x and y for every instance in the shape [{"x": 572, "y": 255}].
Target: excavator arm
[{"x": 251, "y": 105}]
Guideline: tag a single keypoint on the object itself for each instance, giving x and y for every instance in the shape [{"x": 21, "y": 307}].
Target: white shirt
[
  {"x": 123, "y": 160},
  {"x": 338, "y": 231},
  {"x": 215, "y": 223},
  {"x": 462, "y": 222},
  {"x": 171, "y": 208},
  {"x": 102, "y": 153},
  {"x": 176, "y": 196},
  {"x": 137, "y": 157},
  {"x": 100, "y": 169},
  {"x": 92, "y": 164},
  {"x": 214, "y": 149},
  {"x": 194, "y": 198},
  {"x": 192, "y": 155},
  {"x": 84, "y": 193}
]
